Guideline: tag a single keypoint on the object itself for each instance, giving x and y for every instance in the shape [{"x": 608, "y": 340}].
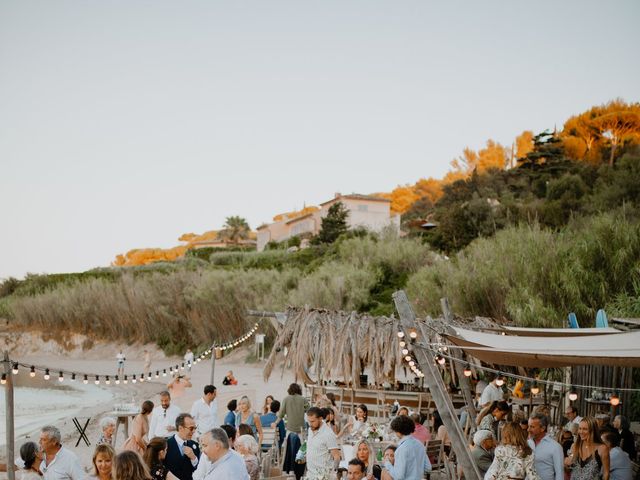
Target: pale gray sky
[{"x": 124, "y": 124}]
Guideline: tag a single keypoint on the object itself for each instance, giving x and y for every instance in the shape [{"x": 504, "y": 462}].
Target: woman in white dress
[{"x": 356, "y": 423}]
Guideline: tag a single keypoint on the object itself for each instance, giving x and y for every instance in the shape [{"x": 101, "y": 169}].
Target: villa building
[{"x": 365, "y": 211}]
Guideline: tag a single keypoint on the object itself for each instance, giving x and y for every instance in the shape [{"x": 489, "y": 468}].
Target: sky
[{"x": 124, "y": 124}]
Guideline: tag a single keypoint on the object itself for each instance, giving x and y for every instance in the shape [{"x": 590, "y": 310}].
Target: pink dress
[{"x": 139, "y": 429}]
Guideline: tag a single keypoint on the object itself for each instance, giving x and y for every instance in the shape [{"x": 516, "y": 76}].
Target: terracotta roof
[
  {"x": 293, "y": 220},
  {"x": 357, "y": 196}
]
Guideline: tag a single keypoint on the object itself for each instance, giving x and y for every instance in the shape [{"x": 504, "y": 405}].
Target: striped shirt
[{"x": 319, "y": 446}]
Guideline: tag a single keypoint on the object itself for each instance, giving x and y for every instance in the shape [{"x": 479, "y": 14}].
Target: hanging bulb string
[
  {"x": 430, "y": 347},
  {"x": 31, "y": 368}
]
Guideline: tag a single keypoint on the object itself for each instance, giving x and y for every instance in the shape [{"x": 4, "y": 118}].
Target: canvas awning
[{"x": 621, "y": 349}]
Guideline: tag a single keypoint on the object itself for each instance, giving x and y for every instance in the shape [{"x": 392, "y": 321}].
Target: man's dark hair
[
  {"x": 612, "y": 438},
  {"x": 275, "y": 406},
  {"x": 230, "y": 430},
  {"x": 232, "y": 405},
  {"x": 360, "y": 463},
  {"x": 209, "y": 389},
  {"x": 294, "y": 389},
  {"x": 403, "y": 425},
  {"x": 324, "y": 413},
  {"x": 180, "y": 419},
  {"x": 315, "y": 411},
  {"x": 572, "y": 409}
]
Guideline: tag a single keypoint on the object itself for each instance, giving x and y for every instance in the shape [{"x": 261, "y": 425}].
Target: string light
[
  {"x": 408, "y": 358},
  {"x": 573, "y": 395},
  {"x": 61, "y": 377},
  {"x": 441, "y": 360},
  {"x": 535, "y": 388},
  {"x": 142, "y": 378},
  {"x": 32, "y": 372},
  {"x": 164, "y": 372},
  {"x": 97, "y": 381},
  {"x": 133, "y": 380},
  {"x": 499, "y": 379},
  {"x": 400, "y": 334},
  {"x": 467, "y": 371},
  {"x": 413, "y": 334},
  {"x": 117, "y": 380},
  {"x": 126, "y": 380},
  {"x": 15, "y": 369},
  {"x": 46, "y": 374},
  {"x": 614, "y": 400},
  {"x": 403, "y": 344},
  {"x": 73, "y": 377},
  {"x": 85, "y": 380},
  {"x": 157, "y": 373},
  {"x": 3, "y": 380},
  {"x": 405, "y": 351},
  {"x": 107, "y": 381}
]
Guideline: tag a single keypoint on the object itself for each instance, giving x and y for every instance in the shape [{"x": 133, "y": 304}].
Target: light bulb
[
  {"x": 15, "y": 369},
  {"x": 408, "y": 358},
  {"x": 441, "y": 360},
  {"x": 73, "y": 377},
  {"x": 535, "y": 388},
  {"x": 85, "y": 380},
  {"x": 412, "y": 363},
  {"x": 467, "y": 372},
  {"x": 157, "y": 373},
  {"x": 573, "y": 395},
  {"x": 614, "y": 400},
  {"x": 405, "y": 351},
  {"x": 400, "y": 334},
  {"x": 3, "y": 380},
  {"x": 46, "y": 374},
  {"x": 133, "y": 379},
  {"x": 60, "y": 377},
  {"x": 107, "y": 380},
  {"x": 126, "y": 380},
  {"x": 164, "y": 372},
  {"x": 413, "y": 334},
  {"x": 32, "y": 372},
  {"x": 403, "y": 344},
  {"x": 499, "y": 380},
  {"x": 97, "y": 381}
]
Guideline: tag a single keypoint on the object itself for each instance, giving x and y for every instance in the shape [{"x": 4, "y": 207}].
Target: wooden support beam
[
  {"x": 437, "y": 388},
  {"x": 10, "y": 437},
  {"x": 465, "y": 385}
]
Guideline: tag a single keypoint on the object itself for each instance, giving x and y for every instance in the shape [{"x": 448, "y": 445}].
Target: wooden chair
[{"x": 435, "y": 453}]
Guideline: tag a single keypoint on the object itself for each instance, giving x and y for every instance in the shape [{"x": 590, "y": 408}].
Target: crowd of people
[
  {"x": 167, "y": 443},
  {"x": 589, "y": 448}
]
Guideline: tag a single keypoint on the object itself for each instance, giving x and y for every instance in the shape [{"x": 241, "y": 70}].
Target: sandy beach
[{"x": 40, "y": 402}]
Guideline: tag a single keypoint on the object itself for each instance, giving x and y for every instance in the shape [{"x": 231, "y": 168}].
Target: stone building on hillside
[{"x": 365, "y": 211}]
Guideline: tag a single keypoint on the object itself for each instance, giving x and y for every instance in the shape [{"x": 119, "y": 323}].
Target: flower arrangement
[{"x": 373, "y": 432}]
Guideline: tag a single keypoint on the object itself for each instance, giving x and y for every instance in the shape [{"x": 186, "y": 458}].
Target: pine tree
[{"x": 334, "y": 224}]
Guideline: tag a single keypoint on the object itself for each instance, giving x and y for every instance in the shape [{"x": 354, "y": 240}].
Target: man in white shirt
[
  {"x": 323, "y": 452},
  {"x": 163, "y": 417},
  {"x": 491, "y": 393},
  {"x": 572, "y": 415},
  {"x": 58, "y": 463},
  {"x": 188, "y": 359},
  {"x": 205, "y": 410},
  {"x": 549, "y": 457},
  {"x": 225, "y": 465}
]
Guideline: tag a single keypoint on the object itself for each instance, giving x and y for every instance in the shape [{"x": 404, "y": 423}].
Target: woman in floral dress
[{"x": 513, "y": 458}]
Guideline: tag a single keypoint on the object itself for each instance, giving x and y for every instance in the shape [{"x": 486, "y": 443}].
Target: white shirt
[
  {"x": 491, "y": 393},
  {"x": 231, "y": 466},
  {"x": 65, "y": 466},
  {"x": 160, "y": 420},
  {"x": 319, "y": 446},
  {"x": 205, "y": 416},
  {"x": 188, "y": 357},
  {"x": 120, "y": 357}
]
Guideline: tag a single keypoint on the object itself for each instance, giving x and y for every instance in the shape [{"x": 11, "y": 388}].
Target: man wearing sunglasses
[{"x": 182, "y": 452}]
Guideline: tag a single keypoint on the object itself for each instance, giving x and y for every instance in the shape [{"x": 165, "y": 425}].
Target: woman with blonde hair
[
  {"x": 128, "y": 465},
  {"x": 513, "y": 457},
  {"x": 364, "y": 453},
  {"x": 102, "y": 462},
  {"x": 137, "y": 440},
  {"x": 588, "y": 457},
  {"x": 246, "y": 416},
  {"x": 247, "y": 446}
]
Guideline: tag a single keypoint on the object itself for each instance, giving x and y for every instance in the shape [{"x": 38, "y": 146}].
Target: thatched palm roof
[{"x": 337, "y": 343}]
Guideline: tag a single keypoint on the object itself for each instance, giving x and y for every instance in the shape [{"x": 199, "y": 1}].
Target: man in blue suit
[{"x": 182, "y": 452}]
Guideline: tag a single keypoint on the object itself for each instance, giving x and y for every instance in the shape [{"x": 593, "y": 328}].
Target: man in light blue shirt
[
  {"x": 226, "y": 465},
  {"x": 548, "y": 453},
  {"x": 411, "y": 460}
]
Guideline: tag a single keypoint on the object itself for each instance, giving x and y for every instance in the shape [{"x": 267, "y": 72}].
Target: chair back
[
  {"x": 601, "y": 319},
  {"x": 573, "y": 321},
  {"x": 269, "y": 436},
  {"x": 435, "y": 453}
]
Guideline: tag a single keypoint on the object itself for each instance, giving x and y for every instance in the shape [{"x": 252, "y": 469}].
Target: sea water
[{"x": 37, "y": 407}]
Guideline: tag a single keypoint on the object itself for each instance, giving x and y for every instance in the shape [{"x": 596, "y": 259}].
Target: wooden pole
[
  {"x": 465, "y": 385},
  {"x": 8, "y": 398},
  {"x": 437, "y": 388}
]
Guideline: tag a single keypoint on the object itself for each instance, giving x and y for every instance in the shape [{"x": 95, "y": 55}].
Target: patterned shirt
[{"x": 319, "y": 446}]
